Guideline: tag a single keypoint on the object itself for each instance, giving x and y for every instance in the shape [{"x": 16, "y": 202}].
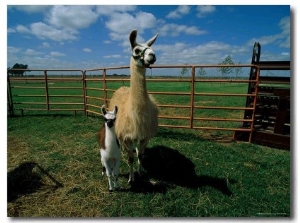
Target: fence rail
[{"x": 90, "y": 92}]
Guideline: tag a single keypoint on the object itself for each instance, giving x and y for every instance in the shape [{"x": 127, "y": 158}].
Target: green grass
[
  {"x": 188, "y": 175},
  {"x": 54, "y": 169}
]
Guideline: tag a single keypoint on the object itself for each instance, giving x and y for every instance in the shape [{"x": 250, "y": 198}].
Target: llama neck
[
  {"x": 110, "y": 132},
  {"x": 110, "y": 136},
  {"x": 138, "y": 89}
]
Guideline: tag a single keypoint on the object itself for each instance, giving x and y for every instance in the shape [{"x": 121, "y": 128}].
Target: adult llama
[{"x": 137, "y": 119}]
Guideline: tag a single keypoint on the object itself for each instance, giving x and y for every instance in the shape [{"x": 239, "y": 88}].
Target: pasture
[{"x": 54, "y": 169}]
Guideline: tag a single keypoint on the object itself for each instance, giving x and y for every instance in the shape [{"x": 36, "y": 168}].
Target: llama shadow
[
  {"x": 169, "y": 168},
  {"x": 24, "y": 180}
]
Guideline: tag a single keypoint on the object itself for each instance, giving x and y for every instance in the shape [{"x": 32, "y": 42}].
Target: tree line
[
  {"x": 224, "y": 71},
  {"x": 17, "y": 73}
]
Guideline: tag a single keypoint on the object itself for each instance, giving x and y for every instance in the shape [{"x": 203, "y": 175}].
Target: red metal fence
[{"x": 87, "y": 90}]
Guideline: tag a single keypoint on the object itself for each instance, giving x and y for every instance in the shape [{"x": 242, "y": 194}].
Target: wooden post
[
  {"x": 84, "y": 92},
  {"x": 192, "y": 97},
  {"x": 47, "y": 91},
  {"x": 9, "y": 97},
  {"x": 105, "y": 88},
  {"x": 254, "y": 104}
]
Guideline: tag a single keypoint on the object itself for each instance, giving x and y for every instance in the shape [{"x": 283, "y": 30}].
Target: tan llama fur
[{"x": 137, "y": 119}]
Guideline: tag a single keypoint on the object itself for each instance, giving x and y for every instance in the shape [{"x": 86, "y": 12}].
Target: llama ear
[
  {"x": 116, "y": 110},
  {"x": 132, "y": 38},
  {"x": 103, "y": 109},
  {"x": 152, "y": 40}
]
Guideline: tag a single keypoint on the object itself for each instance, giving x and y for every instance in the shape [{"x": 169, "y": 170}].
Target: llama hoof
[
  {"x": 130, "y": 181},
  {"x": 131, "y": 177}
]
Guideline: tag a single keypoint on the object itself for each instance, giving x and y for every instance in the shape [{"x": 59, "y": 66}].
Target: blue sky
[{"x": 84, "y": 37}]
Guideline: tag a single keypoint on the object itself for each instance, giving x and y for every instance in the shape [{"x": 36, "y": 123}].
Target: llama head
[
  {"x": 109, "y": 116},
  {"x": 142, "y": 53}
]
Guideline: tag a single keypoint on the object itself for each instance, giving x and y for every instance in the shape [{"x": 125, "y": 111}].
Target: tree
[
  {"x": 184, "y": 71},
  {"x": 201, "y": 72},
  {"x": 238, "y": 70},
  {"x": 226, "y": 70},
  {"x": 18, "y": 73}
]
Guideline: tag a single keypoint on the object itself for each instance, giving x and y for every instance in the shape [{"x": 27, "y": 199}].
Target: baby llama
[
  {"x": 137, "y": 119},
  {"x": 110, "y": 150}
]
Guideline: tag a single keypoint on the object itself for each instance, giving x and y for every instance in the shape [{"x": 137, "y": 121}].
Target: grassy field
[{"x": 54, "y": 170}]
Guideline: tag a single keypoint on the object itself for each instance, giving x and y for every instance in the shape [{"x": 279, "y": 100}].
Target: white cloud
[
  {"x": 44, "y": 31},
  {"x": 72, "y": 17},
  {"x": 264, "y": 40},
  {"x": 203, "y": 10},
  {"x": 282, "y": 39},
  {"x": 145, "y": 21},
  {"x": 180, "y": 53},
  {"x": 284, "y": 24},
  {"x": 11, "y": 30},
  {"x": 56, "y": 54},
  {"x": 115, "y": 56},
  {"x": 179, "y": 12},
  {"x": 31, "y": 8},
  {"x": 107, "y": 41},
  {"x": 61, "y": 23},
  {"x": 23, "y": 29},
  {"x": 285, "y": 53},
  {"x": 45, "y": 45},
  {"x": 123, "y": 23},
  {"x": 87, "y": 50},
  {"x": 108, "y": 10},
  {"x": 32, "y": 52},
  {"x": 13, "y": 50},
  {"x": 172, "y": 29}
]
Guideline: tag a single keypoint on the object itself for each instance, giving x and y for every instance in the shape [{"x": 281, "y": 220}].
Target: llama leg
[
  {"x": 103, "y": 169},
  {"x": 116, "y": 174},
  {"x": 102, "y": 163},
  {"x": 110, "y": 182},
  {"x": 130, "y": 160},
  {"x": 109, "y": 174},
  {"x": 140, "y": 154}
]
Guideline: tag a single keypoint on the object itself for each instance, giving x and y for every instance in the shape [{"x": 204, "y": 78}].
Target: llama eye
[{"x": 137, "y": 51}]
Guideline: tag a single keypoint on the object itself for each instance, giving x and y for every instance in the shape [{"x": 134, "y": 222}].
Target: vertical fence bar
[
  {"x": 47, "y": 90},
  {"x": 192, "y": 97},
  {"x": 9, "y": 97},
  {"x": 84, "y": 92},
  {"x": 254, "y": 104},
  {"x": 105, "y": 88}
]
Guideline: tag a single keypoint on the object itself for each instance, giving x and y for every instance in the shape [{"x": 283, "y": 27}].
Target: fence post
[
  {"x": 47, "y": 90},
  {"x": 254, "y": 104},
  {"x": 192, "y": 97},
  {"x": 9, "y": 97},
  {"x": 105, "y": 88},
  {"x": 84, "y": 92}
]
